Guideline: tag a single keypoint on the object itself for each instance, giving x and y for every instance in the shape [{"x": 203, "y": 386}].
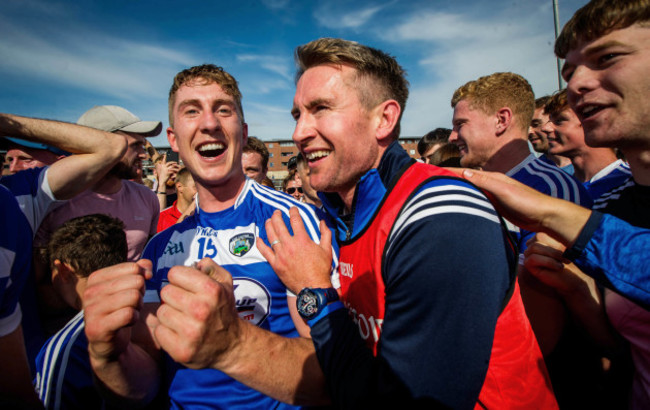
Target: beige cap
[{"x": 112, "y": 118}]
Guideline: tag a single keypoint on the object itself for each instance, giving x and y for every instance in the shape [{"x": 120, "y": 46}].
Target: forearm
[
  {"x": 133, "y": 377},
  {"x": 563, "y": 220},
  {"x": 283, "y": 368},
  {"x": 586, "y": 306},
  {"x": 96, "y": 151}
]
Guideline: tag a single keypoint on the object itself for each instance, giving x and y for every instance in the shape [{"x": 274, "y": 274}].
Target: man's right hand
[
  {"x": 113, "y": 300},
  {"x": 166, "y": 171}
]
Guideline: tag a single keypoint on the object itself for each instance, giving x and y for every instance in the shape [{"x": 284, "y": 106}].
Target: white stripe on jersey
[
  {"x": 283, "y": 202},
  {"x": 418, "y": 208},
  {"x": 50, "y": 359},
  {"x": 612, "y": 195},
  {"x": 542, "y": 170}
]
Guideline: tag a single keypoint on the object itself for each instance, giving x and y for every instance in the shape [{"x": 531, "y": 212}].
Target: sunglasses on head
[{"x": 291, "y": 190}]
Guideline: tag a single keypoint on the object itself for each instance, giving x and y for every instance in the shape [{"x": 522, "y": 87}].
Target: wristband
[
  {"x": 334, "y": 306},
  {"x": 161, "y": 193}
]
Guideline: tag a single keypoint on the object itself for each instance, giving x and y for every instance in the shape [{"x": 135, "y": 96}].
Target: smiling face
[
  {"x": 567, "y": 137},
  {"x": 209, "y": 134},
  {"x": 608, "y": 86},
  {"x": 473, "y": 134},
  {"x": 334, "y": 132},
  {"x": 537, "y": 135},
  {"x": 252, "y": 164}
]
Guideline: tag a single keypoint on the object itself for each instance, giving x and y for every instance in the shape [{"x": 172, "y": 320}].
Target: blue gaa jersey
[
  {"x": 15, "y": 260},
  {"x": 33, "y": 193},
  {"x": 549, "y": 180},
  {"x": 228, "y": 237},
  {"x": 611, "y": 177},
  {"x": 64, "y": 377}
]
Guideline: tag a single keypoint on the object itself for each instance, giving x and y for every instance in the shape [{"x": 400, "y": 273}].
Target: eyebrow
[
  {"x": 589, "y": 51},
  {"x": 195, "y": 101},
  {"x": 309, "y": 105}
]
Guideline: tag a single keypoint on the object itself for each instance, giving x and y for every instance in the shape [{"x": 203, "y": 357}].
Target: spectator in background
[
  {"x": 597, "y": 168},
  {"x": 77, "y": 248},
  {"x": 114, "y": 195},
  {"x": 28, "y": 195},
  {"x": 268, "y": 182},
  {"x": 23, "y": 154},
  {"x": 292, "y": 185},
  {"x": 186, "y": 189},
  {"x": 164, "y": 172},
  {"x": 431, "y": 142},
  {"x": 538, "y": 137},
  {"x": 292, "y": 164},
  {"x": 255, "y": 159},
  {"x": 447, "y": 155},
  {"x": 309, "y": 193}
]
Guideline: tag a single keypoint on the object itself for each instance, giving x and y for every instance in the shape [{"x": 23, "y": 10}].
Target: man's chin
[{"x": 123, "y": 171}]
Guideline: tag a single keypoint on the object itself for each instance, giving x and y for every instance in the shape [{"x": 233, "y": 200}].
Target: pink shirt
[
  {"x": 633, "y": 323},
  {"x": 135, "y": 204}
]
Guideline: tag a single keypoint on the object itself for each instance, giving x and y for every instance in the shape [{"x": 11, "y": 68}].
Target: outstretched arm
[
  {"x": 96, "y": 151},
  {"x": 529, "y": 208}
]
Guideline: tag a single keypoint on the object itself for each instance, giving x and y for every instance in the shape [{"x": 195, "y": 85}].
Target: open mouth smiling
[{"x": 211, "y": 150}]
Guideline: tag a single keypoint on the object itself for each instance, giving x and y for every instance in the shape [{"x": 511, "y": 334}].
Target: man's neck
[
  {"x": 220, "y": 197},
  {"x": 558, "y": 160},
  {"x": 107, "y": 185},
  {"x": 508, "y": 156},
  {"x": 589, "y": 162},
  {"x": 639, "y": 160}
]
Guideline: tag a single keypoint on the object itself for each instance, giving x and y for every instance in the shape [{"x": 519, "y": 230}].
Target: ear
[
  {"x": 504, "y": 120},
  {"x": 388, "y": 114},
  {"x": 171, "y": 138},
  {"x": 244, "y": 127},
  {"x": 63, "y": 271}
]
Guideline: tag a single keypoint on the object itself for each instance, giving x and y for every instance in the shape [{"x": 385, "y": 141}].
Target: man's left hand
[{"x": 297, "y": 260}]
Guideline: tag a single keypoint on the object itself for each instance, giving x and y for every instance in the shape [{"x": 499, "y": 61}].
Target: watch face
[{"x": 307, "y": 304}]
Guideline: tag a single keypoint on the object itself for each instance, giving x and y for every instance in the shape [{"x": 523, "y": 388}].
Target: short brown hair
[
  {"x": 557, "y": 104},
  {"x": 183, "y": 176},
  {"x": 205, "y": 74},
  {"x": 542, "y": 101},
  {"x": 493, "y": 92},
  {"x": 257, "y": 145},
  {"x": 88, "y": 243},
  {"x": 379, "y": 76},
  {"x": 598, "y": 18}
]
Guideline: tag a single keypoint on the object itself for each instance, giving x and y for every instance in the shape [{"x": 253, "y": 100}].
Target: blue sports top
[
  {"x": 228, "y": 237},
  {"x": 15, "y": 260},
  {"x": 64, "y": 378},
  {"x": 611, "y": 177},
  {"x": 549, "y": 180}
]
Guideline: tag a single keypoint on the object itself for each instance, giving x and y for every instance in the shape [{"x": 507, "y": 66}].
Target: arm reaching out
[{"x": 96, "y": 151}]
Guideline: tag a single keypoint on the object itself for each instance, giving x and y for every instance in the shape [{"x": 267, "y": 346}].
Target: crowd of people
[{"x": 502, "y": 269}]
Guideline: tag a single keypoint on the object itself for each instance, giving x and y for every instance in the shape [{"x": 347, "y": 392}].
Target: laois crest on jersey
[{"x": 228, "y": 237}]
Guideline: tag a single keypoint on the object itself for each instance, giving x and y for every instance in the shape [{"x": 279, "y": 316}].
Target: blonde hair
[
  {"x": 203, "y": 75},
  {"x": 493, "y": 92}
]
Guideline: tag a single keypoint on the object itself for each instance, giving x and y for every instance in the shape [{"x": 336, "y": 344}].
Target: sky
[{"x": 60, "y": 58}]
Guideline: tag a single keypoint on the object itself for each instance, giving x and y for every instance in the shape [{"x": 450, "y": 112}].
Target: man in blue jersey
[
  {"x": 538, "y": 137},
  {"x": 597, "y": 168},
  {"x": 35, "y": 191},
  {"x": 207, "y": 128},
  {"x": 433, "y": 315},
  {"x": 77, "y": 248}
]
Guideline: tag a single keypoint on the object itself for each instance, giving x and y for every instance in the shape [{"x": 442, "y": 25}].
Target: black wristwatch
[{"x": 312, "y": 300}]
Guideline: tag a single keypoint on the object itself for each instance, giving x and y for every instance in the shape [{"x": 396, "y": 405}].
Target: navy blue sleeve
[
  {"x": 447, "y": 272},
  {"x": 615, "y": 253}
]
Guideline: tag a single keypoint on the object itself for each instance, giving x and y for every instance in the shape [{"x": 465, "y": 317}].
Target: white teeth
[
  {"x": 317, "y": 154},
  {"x": 211, "y": 147}
]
